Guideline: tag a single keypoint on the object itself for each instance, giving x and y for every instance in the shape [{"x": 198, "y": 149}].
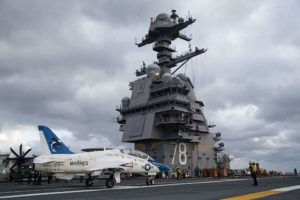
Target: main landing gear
[
  {"x": 89, "y": 181},
  {"x": 109, "y": 183}
]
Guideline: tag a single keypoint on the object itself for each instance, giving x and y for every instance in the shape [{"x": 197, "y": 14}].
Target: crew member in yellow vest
[{"x": 253, "y": 171}]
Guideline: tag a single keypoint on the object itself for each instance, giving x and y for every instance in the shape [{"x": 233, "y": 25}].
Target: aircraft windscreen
[{"x": 137, "y": 153}]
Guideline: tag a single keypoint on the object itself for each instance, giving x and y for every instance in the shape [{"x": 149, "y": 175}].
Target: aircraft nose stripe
[
  {"x": 156, "y": 167},
  {"x": 161, "y": 167}
]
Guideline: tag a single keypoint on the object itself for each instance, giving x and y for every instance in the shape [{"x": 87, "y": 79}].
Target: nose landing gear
[{"x": 150, "y": 180}]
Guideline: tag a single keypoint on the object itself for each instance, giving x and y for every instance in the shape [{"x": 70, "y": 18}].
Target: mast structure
[
  {"x": 162, "y": 32},
  {"x": 163, "y": 117}
]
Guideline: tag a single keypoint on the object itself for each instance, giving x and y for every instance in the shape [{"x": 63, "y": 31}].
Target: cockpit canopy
[
  {"x": 137, "y": 153},
  {"x": 131, "y": 152}
]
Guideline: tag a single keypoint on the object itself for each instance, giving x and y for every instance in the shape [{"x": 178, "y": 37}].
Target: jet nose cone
[
  {"x": 164, "y": 168},
  {"x": 161, "y": 167}
]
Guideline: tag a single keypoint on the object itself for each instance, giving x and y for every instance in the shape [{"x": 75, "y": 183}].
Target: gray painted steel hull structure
[{"x": 163, "y": 117}]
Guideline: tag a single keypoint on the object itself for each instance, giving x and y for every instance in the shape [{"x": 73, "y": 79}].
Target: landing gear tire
[
  {"x": 150, "y": 181},
  {"x": 110, "y": 183},
  {"x": 89, "y": 182}
]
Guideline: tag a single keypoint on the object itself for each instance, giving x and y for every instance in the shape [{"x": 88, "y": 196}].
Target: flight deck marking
[
  {"x": 42, "y": 189},
  {"x": 134, "y": 187},
  {"x": 116, "y": 188},
  {"x": 266, "y": 193},
  {"x": 72, "y": 188}
]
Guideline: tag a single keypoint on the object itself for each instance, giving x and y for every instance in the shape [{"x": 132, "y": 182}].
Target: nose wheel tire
[{"x": 150, "y": 181}]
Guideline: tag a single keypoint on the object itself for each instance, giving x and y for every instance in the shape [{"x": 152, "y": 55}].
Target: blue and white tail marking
[{"x": 51, "y": 143}]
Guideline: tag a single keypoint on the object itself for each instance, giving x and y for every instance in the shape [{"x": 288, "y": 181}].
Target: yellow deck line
[
  {"x": 255, "y": 195},
  {"x": 266, "y": 193}
]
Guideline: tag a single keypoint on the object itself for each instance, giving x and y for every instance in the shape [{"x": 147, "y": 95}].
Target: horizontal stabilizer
[
  {"x": 64, "y": 176},
  {"x": 39, "y": 160}
]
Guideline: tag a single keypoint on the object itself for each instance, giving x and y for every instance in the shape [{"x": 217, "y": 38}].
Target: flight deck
[{"x": 281, "y": 187}]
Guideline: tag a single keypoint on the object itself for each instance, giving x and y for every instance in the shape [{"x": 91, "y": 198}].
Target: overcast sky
[{"x": 67, "y": 64}]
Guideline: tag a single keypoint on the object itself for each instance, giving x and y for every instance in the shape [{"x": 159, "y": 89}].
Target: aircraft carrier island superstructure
[{"x": 163, "y": 117}]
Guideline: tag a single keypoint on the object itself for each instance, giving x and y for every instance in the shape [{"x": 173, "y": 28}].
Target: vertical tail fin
[{"x": 51, "y": 143}]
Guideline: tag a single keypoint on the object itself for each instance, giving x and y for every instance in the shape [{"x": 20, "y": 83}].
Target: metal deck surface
[{"x": 190, "y": 188}]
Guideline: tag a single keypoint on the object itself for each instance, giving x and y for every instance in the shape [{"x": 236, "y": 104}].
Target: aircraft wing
[{"x": 114, "y": 169}]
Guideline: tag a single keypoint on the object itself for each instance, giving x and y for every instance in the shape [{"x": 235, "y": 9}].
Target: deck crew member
[{"x": 253, "y": 171}]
